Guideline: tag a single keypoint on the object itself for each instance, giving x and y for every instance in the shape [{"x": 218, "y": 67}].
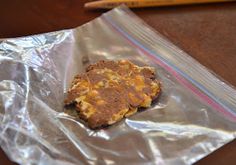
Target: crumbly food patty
[{"x": 111, "y": 90}]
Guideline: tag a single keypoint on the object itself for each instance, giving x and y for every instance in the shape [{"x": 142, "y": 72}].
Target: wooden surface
[{"x": 206, "y": 32}]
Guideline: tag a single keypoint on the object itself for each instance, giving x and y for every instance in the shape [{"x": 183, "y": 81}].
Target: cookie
[{"x": 111, "y": 90}]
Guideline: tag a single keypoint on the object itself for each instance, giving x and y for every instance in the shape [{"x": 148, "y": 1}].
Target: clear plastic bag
[{"x": 194, "y": 115}]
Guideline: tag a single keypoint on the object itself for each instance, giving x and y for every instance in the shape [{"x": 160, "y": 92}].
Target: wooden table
[{"x": 206, "y": 32}]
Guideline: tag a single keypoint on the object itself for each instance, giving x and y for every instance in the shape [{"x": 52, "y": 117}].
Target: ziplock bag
[{"x": 194, "y": 115}]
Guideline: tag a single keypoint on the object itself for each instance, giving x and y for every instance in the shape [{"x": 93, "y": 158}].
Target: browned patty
[{"x": 111, "y": 90}]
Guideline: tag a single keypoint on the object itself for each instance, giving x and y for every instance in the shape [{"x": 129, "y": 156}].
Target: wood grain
[{"x": 206, "y": 32}]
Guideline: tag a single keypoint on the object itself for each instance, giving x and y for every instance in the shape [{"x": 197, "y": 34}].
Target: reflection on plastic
[{"x": 193, "y": 116}]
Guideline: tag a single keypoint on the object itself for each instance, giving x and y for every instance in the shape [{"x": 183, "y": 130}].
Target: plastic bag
[{"x": 194, "y": 115}]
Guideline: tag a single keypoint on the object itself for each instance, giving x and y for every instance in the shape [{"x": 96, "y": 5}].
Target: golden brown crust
[{"x": 110, "y": 91}]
